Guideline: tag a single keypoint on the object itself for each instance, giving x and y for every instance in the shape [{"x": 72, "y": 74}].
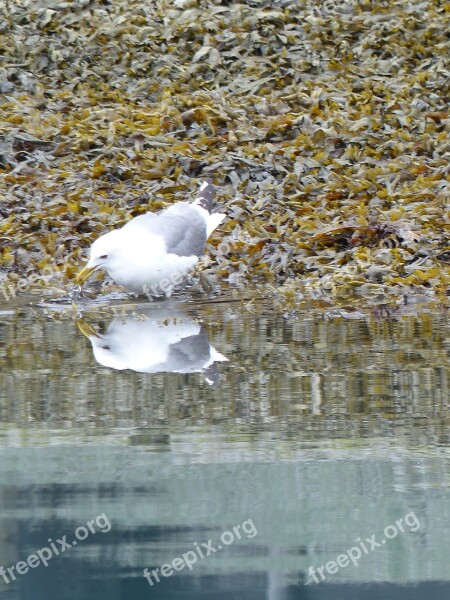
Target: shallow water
[{"x": 288, "y": 439}]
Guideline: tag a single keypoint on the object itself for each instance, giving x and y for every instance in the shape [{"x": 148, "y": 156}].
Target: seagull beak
[
  {"x": 86, "y": 329},
  {"x": 84, "y": 274}
]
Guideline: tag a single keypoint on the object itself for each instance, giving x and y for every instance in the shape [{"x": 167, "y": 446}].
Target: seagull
[
  {"x": 153, "y": 253},
  {"x": 155, "y": 341}
]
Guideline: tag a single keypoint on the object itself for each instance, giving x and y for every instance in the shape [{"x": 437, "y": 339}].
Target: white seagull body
[{"x": 153, "y": 253}]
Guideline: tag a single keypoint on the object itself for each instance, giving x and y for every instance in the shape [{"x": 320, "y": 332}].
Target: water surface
[{"x": 310, "y": 430}]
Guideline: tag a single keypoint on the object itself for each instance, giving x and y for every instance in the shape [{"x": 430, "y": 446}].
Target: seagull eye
[{"x": 104, "y": 256}]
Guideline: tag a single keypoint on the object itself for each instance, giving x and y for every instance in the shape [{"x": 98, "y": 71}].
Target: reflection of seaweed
[{"x": 369, "y": 371}]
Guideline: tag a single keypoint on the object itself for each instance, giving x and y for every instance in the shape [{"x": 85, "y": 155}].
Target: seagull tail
[
  {"x": 213, "y": 221},
  {"x": 204, "y": 201},
  {"x": 205, "y": 196}
]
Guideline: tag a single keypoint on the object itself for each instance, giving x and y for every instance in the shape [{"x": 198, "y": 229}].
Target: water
[{"x": 295, "y": 441}]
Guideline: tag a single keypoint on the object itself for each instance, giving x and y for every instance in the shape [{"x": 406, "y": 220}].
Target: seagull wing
[
  {"x": 183, "y": 230},
  {"x": 181, "y": 226}
]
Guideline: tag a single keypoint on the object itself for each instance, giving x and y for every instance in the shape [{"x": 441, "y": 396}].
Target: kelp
[{"x": 323, "y": 126}]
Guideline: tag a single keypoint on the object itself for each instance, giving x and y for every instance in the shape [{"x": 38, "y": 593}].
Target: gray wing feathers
[
  {"x": 183, "y": 230},
  {"x": 182, "y": 227}
]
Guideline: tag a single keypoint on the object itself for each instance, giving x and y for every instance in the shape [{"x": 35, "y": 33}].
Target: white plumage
[{"x": 153, "y": 253}]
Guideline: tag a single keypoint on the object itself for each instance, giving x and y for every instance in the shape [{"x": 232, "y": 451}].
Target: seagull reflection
[{"x": 154, "y": 341}]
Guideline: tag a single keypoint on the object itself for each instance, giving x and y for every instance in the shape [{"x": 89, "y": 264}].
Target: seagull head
[{"x": 101, "y": 256}]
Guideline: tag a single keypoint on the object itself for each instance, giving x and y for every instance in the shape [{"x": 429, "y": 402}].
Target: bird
[
  {"x": 155, "y": 340},
  {"x": 153, "y": 253}
]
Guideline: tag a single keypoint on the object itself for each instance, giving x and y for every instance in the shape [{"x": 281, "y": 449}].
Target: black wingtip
[
  {"x": 211, "y": 375},
  {"x": 205, "y": 196}
]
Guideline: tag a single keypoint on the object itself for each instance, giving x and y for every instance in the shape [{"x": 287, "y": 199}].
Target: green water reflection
[{"x": 323, "y": 427}]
